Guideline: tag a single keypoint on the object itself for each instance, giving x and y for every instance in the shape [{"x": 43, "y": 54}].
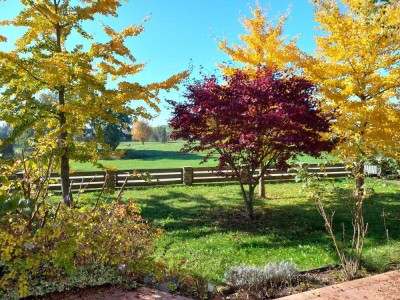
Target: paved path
[
  {"x": 384, "y": 286},
  {"x": 139, "y": 294}
]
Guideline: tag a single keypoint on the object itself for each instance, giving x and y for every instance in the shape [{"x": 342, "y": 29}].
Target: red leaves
[{"x": 251, "y": 120}]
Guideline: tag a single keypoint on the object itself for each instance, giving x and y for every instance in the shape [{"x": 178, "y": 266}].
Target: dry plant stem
[
  {"x": 81, "y": 189},
  {"x": 44, "y": 219},
  {"x": 46, "y": 191},
  {"x": 343, "y": 234},
  {"x": 25, "y": 177},
  {"x": 56, "y": 212},
  {"x": 351, "y": 264},
  {"x": 79, "y": 194},
  {"x": 70, "y": 193},
  {"x": 121, "y": 190},
  {"x": 43, "y": 182},
  {"x": 118, "y": 199},
  {"x": 384, "y": 224},
  {"x": 46, "y": 177},
  {"x": 101, "y": 193}
]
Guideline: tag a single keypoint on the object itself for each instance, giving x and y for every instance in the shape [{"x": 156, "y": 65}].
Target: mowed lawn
[
  {"x": 155, "y": 155},
  {"x": 151, "y": 155},
  {"x": 206, "y": 233}
]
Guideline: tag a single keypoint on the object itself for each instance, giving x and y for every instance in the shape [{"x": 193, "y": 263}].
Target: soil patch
[{"x": 112, "y": 293}]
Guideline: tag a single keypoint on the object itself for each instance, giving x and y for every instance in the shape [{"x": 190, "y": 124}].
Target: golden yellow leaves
[
  {"x": 92, "y": 7},
  {"x": 113, "y": 53},
  {"x": 43, "y": 62},
  {"x": 263, "y": 45},
  {"x": 359, "y": 65}
]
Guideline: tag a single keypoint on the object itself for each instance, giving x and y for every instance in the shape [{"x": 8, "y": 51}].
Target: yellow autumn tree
[
  {"x": 141, "y": 131},
  {"x": 263, "y": 45},
  {"x": 88, "y": 79},
  {"x": 357, "y": 68}
]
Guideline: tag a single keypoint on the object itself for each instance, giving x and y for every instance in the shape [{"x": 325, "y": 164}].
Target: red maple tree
[{"x": 251, "y": 121}]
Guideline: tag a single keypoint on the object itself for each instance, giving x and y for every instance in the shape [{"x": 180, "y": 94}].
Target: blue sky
[{"x": 181, "y": 33}]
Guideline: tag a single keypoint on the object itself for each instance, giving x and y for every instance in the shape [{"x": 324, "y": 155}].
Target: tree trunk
[
  {"x": 359, "y": 170},
  {"x": 261, "y": 183},
  {"x": 64, "y": 165},
  {"x": 65, "y": 181},
  {"x": 249, "y": 203},
  {"x": 248, "y": 200},
  {"x": 249, "y": 210},
  {"x": 62, "y": 139}
]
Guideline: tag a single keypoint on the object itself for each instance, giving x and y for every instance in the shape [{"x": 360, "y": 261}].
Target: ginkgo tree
[
  {"x": 357, "y": 69},
  {"x": 263, "y": 45},
  {"x": 89, "y": 79}
]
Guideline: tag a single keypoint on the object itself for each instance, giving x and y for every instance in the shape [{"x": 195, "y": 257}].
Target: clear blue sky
[{"x": 181, "y": 33}]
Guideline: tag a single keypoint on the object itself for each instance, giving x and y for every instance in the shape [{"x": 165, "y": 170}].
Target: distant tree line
[
  {"x": 5, "y": 132},
  {"x": 111, "y": 134}
]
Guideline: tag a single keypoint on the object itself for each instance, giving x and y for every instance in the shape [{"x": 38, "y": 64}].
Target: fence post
[
  {"x": 111, "y": 180},
  {"x": 187, "y": 175}
]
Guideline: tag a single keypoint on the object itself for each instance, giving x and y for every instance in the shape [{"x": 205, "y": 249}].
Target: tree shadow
[
  {"x": 194, "y": 216},
  {"x": 153, "y": 155}
]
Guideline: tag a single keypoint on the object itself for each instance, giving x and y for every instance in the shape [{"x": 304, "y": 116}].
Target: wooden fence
[{"x": 186, "y": 175}]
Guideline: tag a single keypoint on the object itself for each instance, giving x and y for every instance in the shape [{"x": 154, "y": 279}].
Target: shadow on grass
[
  {"x": 159, "y": 154},
  {"x": 288, "y": 224}
]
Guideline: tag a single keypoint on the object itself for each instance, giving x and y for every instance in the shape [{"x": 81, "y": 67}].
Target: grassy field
[
  {"x": 154, "y": 155},
  {"x": 205, "y": 232}
]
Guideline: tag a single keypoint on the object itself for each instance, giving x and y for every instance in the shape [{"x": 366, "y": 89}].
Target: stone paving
[{"x": 384, "y": 286}]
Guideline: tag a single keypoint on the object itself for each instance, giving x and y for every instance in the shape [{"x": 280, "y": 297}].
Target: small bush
[
  {"x": 61, "y": 242},
  {"x": 279, "y": 273},
  {"x": 264, "y": 282},
  {"x": 246, "y": 277}
]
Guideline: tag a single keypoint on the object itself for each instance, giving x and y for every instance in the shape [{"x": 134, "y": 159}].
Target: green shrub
[{"x": 60, "y": 242}]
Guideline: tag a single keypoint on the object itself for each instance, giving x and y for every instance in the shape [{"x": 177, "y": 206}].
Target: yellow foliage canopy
[
  {"x": 357, "y": 68},
  {"x": 88, "y": 82},
  {"x": 141, "y": 131},
  {"x": 263, "y": 45}
]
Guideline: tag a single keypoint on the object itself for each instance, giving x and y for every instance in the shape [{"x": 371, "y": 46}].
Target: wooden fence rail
[{"x": 187, "y": 175}]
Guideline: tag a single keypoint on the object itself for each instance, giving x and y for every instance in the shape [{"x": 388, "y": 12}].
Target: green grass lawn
[
  {"x": 151, "y": 155},
  {"x": 154, "y": 155},
  {"x": 205, "y": 231}
]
